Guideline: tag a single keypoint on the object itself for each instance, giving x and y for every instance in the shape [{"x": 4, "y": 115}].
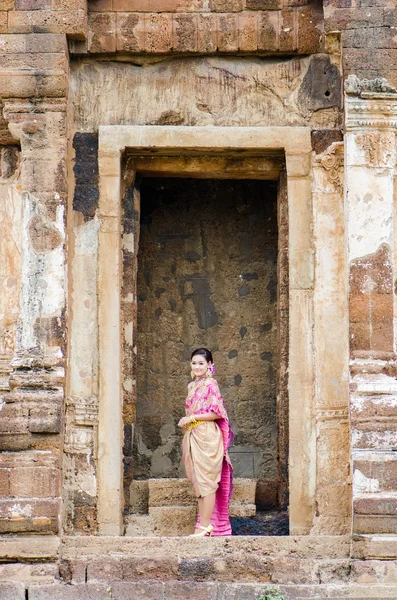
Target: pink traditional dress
[{"x": 205, "y": 451}]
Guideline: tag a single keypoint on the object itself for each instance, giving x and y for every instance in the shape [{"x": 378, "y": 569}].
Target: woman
[{"x": 205, "y": 444}]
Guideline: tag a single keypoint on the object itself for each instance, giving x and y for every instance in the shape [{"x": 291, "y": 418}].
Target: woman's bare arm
[{"x": 208, "y": 416}]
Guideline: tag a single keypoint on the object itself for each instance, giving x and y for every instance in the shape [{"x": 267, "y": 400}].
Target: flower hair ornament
[{"x": 210, "y": 370}]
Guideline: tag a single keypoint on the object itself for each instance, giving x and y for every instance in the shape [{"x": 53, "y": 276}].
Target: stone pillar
[
  {"x": 110, "y": 429},
  {"x": 371, "y": 107},
  {"x": 331, "y": 345},
  {"x": 302, "y": 432}
]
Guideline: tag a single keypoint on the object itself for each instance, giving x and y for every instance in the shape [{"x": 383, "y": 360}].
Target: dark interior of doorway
[{"x": 208, "y": 276}]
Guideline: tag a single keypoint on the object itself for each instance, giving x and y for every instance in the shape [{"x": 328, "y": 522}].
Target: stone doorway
[
  {"x": 209, "y": 268},
  {"x": 125, "y": 154}
]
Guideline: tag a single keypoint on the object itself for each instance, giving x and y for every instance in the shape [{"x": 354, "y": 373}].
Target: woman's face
[{"x": 199, "y": 365}]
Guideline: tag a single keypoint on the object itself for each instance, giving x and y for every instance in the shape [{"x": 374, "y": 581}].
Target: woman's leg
[{"x": 206, "y": 507}]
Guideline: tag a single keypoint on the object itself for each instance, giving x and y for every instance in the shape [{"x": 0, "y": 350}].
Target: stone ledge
[
  {"x": 382, "y": 547},
  {"x": 41, "y": 548},
  {"x": 330, "y": 547},
  {"x": 185, "y": 590}
]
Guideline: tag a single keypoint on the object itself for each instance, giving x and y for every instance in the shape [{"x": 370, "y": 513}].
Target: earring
[
  {"x": 192, "y": 374},
  {"x": 209, "y": 372}
]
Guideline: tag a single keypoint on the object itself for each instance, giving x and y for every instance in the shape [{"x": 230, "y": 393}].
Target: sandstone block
[
  {"x": 226, "y": 6},
  {"x": 139, "y": 497},
  {"x": 263, "y": 4},
  {"x": 174, "y": 520},
  {"x": 29, "y": 548},
  {"x": 160, "y": 569},
  {"x": 38, "y": 378},
  {"x": 33, "y": 482},
  {"x": 3, "y": 22},
  {"x": 240, "y": 509},
  {"x": 140, "y": 526},
  {"x": 363, "y": 572},
  {"x": 45, "y": 420},
  {"x": 39, "y": 516},
  {"x": 26, "y": 86},
  {"x": 266, "y": 495},
  {"x": 268, "y": 31},
  {"x": 46, "y": 21},
  {"x": 34, "y": 458},
  {"x": 376, "y": 524},
  {"x": 375, "y": 504},
  {"x": 45, "y": 42},
  {"x": 69, "y": 5},
  {"x": 133, "y": 590},
  {"x": 158, "y": 33},
  {"x": 244, "y": 490},
  {"x": 180, "y": 590},
  {"x": 106, "y": 570},
  {"x": 8, "y": 4},
  {"x": 29, "y": 573},
  {"x": 4, "y": 483},
  {"x": 376, "y": 472},
  {"x": 32, "y": 4},
  {"x": 207, "y": 33},
  {"x": 101, "y": 6},
  {"x": 309, "y": 30},
  {"x": 130, "y": 32},
  {"x": 12, "y": 591},
  {"x": 69, "y": 592},
  {"x": 185, "y": 33},
  {"x": 248, "y": 32},
  {"x": 288, "y": 30},
  {"x": 14, "y": 418},
  {"x": 159, "y": 5},
  {"x": 344, "y": 18},
  {"x": 294, "y": 570},
  {"x": 102, "y": 32},
  {"x": 228, "y": 33},
  {"x": 170, "y": 492}
]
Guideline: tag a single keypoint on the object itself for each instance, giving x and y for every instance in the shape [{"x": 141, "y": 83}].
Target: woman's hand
[{"x": 184, "y": 421}]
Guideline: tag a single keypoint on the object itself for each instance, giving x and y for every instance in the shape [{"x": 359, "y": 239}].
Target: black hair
[{"x": 202, "y": 352}]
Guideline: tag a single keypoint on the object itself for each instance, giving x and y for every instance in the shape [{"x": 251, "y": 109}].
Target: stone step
[
  {"x": 307, "y": 560},
  {"x": 181, "y": 590},
  {"x": 179, "y": 492},
  {"x": 166, "y": 507}
]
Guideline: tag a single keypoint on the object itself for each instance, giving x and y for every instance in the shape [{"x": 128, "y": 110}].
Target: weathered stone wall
[
  {"x": 368, "y": 36},
  {"x": 207, "y": 276},
  {"x": 253, "y": 63}
]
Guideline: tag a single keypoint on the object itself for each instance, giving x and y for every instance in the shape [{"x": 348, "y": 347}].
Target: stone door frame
[{"x": 295, "y": 142}]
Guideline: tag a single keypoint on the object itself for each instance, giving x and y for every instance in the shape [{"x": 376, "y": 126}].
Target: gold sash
[{"x": 190, "y": 426}]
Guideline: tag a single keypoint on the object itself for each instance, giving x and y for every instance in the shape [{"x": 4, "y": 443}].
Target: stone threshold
[
  {"x": 48, "y": 548},
  {"x": 297, "y": 546},
  {"x": 181, "y": 590}
]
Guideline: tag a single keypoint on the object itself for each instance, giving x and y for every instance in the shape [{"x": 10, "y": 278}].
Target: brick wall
[
  {"x": 196, "y": 26},
  {"x": 369, "y": 36}
]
